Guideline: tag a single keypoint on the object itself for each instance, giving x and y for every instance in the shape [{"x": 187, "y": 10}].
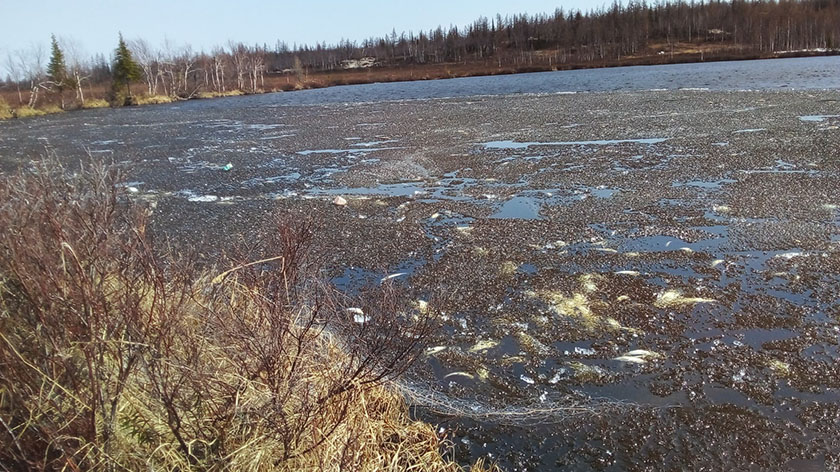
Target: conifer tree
[
  {"x": 57, "y": 70},
  {"x": 125, "y": 69}
]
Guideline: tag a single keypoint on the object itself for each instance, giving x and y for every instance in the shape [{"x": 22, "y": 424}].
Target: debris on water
[
  {"x": 480, "y": 251},
  {"x": 227, "y": 167},
  {"x": 721, "y": 208},
  {"x": 484, "y": 345},
  {"x": 632, "y": 273},
  {"x": 789, "y": 255},
  {"x": 588, "y": 282},
  {"x": 339, "y": 201},
  {"x": 434, "y": 350},
  {"x": 393, "y": 276},
  {"x": 422, "y": 306},
  {"x": 465, "y": 230},
  {"x": 358, "y": 315},
  {"x": 526, "y": 379},
  {"x": 203, "y": 198},
  {"x": 508, "y": 269},
  {"x": 586, "y": 373},
  {"x": 675, "y": 298},
  {"x": 459, "y": 374},
  {"x": 780, "y": 368},
  {"x": 557, "y": 376},
  {"x": 532, "y": 345},
  {"x": 543, "y": 397},
  {"x": 583, "y": 351},
  {"x": 717, "y": 262}
]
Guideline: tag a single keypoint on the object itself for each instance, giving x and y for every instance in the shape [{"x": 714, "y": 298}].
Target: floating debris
[
  {"x": 358, "y": 315},
  {"x": 717, "y": 262},
  {"x": 227, "y": 167},
  {"x": 588, "y": 282},
  {"x": 587, "y": 373},
  {"x": 780, "y": 368},
  {"x": 526, "y": 379},
  {"x": 532, "y": 345},
  {"x": 508, "y": 269},
  {"x": 675, "y": 298},
  {"x": 339, "y": 201},
  {"x": 203, "y": 198},
  {"x": 434, "y": 350},
  {"x": 483, "y": 345},
  {"x": 422, "y": 306},
  {"x": 632, "y": 273}
]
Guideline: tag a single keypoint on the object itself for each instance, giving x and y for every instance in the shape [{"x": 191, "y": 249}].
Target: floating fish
[
  {"x": 675, "y": 298},
  {"x": 434, "y": 350},
  {"x": 392, "y": 276},
  {"x": 484, "y": 345},
  {"x": 459, "y": 374}
]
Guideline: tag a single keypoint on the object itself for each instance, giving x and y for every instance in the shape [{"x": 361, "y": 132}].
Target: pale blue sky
[{"x": 204, "y": 23}]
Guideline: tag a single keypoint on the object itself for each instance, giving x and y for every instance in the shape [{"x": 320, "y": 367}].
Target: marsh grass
[
  {"x": 116, "y": 355},
  {"x": 5, "y": 110},
  {"x": 152, "y": 99},
  {"x": 96, "y": 103}
]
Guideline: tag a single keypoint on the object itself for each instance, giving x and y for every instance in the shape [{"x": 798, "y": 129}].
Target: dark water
[{"x": 770, "y": 74}]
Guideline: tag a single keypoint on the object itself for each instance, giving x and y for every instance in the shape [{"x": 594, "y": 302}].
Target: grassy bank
[{"x": 119, "y": 355}]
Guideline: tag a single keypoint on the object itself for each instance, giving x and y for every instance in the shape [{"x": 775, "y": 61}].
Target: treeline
[{"x": 606, "y": 36}]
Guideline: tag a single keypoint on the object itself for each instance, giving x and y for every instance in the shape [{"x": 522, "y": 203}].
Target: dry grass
[
  {"x": 229, "y": 93},
  {"x": 152, "y": 99},
  {"x": 115, "y": 356},
  {"x": 5, "y": 110},
  {"x": 96, "y": 103},
  {"x": 26, "y": 112}
]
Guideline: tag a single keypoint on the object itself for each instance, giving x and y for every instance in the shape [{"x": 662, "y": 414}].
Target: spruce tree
[
  {"x": 57, "y": 70},
  {"x": 125, "y": 69}
]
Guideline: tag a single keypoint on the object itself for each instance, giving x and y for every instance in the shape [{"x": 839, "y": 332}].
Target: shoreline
[{"x": 415, "y": 73}]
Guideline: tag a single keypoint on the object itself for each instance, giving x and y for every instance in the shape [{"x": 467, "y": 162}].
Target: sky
[{"x": 94, "y": 24}]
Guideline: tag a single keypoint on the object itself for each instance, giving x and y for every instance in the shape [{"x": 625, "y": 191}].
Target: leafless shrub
[{"x": 113, "y": 356}]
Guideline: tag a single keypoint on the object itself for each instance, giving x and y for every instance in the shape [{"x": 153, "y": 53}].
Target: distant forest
[{"x": 631, "y": 33}]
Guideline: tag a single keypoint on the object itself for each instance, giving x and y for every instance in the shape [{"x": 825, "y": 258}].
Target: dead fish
[
  {"x": 484, "y": 345},
  {"x": 459, "y": 374},
  {"x": 675, "y": 298},
  {"x": 389, "y": 277},
  {"x": 630, "y": 359},
  {"x": 434, "y": 350},
  {"x": 638, "y": 356}
]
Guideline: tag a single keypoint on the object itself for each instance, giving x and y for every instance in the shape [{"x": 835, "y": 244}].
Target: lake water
[
  {"x": 626, "y": 280},
  {"x": 769, "y": 74}
]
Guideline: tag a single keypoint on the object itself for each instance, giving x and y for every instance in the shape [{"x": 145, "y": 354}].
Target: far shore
[{"x": 287, "y": 81}]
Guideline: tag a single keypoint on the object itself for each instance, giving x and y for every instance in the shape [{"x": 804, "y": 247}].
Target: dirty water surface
[{"x": 621, "y": 281}]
